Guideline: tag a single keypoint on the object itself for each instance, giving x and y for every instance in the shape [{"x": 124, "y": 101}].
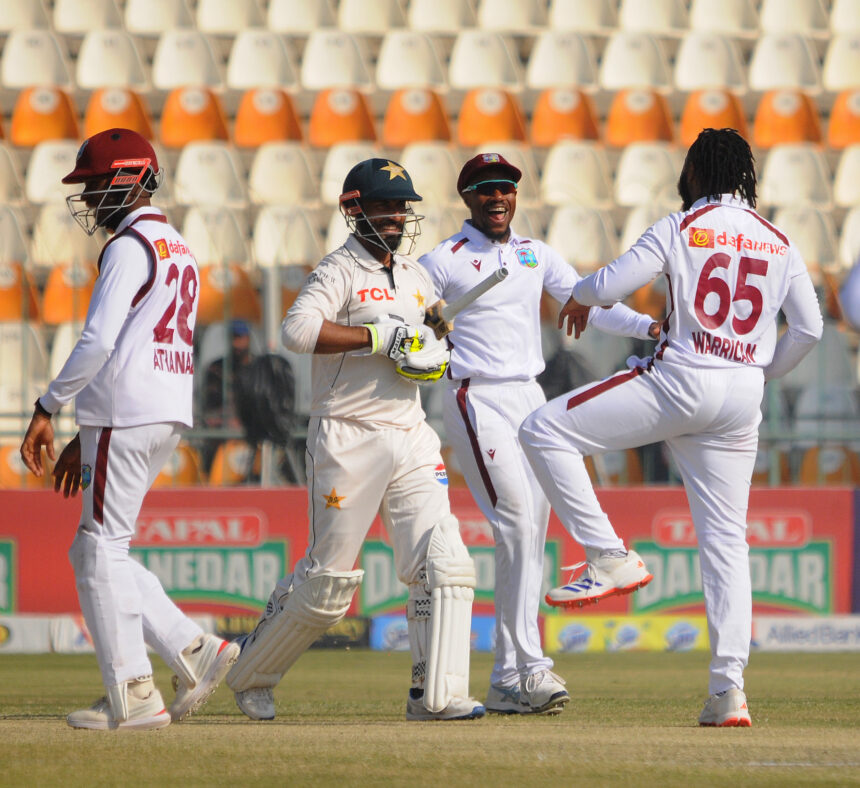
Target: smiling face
[{"x": 492, "y": 211}]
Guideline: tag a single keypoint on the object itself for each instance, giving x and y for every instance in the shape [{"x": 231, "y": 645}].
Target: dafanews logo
[
  {"x": 7, "y": 577},
  {"x": 222, "y": 557},
  {"x": 382, "y": 592},
  {"x": 161, "y": 248},
  {"x": 701, "y": 238},
  {"x": 789, "y": 570}
]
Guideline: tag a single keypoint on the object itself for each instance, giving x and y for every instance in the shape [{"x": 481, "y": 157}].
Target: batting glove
[
  {"x": 426, "y": 358},
  {"x": 389, "y": 336}
]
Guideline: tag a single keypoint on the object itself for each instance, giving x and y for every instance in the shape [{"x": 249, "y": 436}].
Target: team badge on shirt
[
  {"x": 527, "y": 258},
  {"x": 701, "y": 238},
  {"x": 86, "y": 476}
]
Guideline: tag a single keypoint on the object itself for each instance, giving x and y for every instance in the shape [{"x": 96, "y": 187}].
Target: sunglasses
[{"x": 488, "y": 188}]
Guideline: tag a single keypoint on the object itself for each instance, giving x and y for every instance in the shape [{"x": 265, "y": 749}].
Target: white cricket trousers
[
  {"x": 355, "y": 470},
  {"x": 481, "y": 420},
  {"x": 709, "y": 419},
  {"x": 124, "y": 606}
]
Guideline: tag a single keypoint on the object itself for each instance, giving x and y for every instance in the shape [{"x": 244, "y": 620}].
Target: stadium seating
[
  {"x": 736, "y": 18},
  {"x": 84, "y": 16},
  {"x": 339, "y": 160},
  {"x": 845, "y": 16},
  {"x": 563, "y": 113},
  {"x": 830, "y": 465},
  {"x": 849, "y": 238},
  {"x": 340, "y": 115},
  {"x": 281, "y": 174},
  {"x": 299, "y": 17},
  {"x": 584, "y": 16},
  {"x": 490, "y": 114},
  {"x": 67, "y": 292},
  {"x": 638, "y": 116},
  {"x": 35, "y": 57},
  {"x": 842, "y": 62},
  {"x": 415, "y": 115},
  {"x": 660, "y": 17},
  {"x": 18, "y": 293},
  {"x": 561, "y": 58},
  {"x": 634, "y": 60},
  {"x": 151, "y": 18},
  {"x": 812, "y": 232},
  {"x": 505, "y": 16},
  {"x": 208, "y": 173},
  {"x": 615, "y": 468},
  {"x": 844, "y": 127},
  {"x": 285, "y": 235},
  {"x": 266, "y": 115},
  {"x": 784, "y": 60},
  {"x": 216, "y": 234},
  {"x": 219, "y": 17},
  {"x": 226, "y": 289},
  {"x": 49, "y": 162},
  {"x": 192, "y": 114},
  {"x": 14, "y": 475},
  {"x": 646, "y": 172},
  {"x": 15, "y": 15},
  {"x": 182, "y": 469},
  {"x": 794, "y": 174},
  {"x": 576, "y": 171},
  {"x": 57, "y": 238},
  {"x": 482, "y": 58},
  {"x": 711, "y": 109},
  {"x": 409, "y": 59},
  {"x": 260, "y": 58},
  {"x": 369, "y": 16},
  {"x": 786, "y": 116},
  {"x": 708, "y": 60},
  {"x": 109, "y": 58},
  {"x": 110, "y": 108},
  {"x": 806, "y": 17},
  {"x": 233, "y": 464},
  {"x": 335, "y": 59},
  {"x": 13, "y": 246},
  {"x": 583, "y": 236},
  {"x": 42, "y": 114},
  {"x": 184, "y": 57},
  {"x": 434, "y": 167}
]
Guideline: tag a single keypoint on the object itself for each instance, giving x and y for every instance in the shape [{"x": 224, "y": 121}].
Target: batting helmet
[
  {"x": 128, "y": 159},
  {"x": 379, "y": 179}
]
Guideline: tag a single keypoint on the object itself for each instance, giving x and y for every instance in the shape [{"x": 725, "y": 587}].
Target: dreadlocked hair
[{"x": 723, "y": 164}]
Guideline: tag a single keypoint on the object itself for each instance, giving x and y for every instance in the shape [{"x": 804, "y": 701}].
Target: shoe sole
[
  {"x": 555, "y": 705},
  {"x": 248, "y": 714},
  {"x": 593, "y": 600},
  {"x": 160, "y": 720},
  {"x": 226, "y": 658},
  {"x": 732, "y": 722},
  {"x": 518, "y": 710},
  {"x": 475, "y": 714}
]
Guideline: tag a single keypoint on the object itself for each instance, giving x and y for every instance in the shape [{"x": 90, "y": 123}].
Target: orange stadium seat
[
  {"x": 415, "y": 115},
  {"x": 563, "y": 113},
  {"x": 17, "y": 293},
  {"x": 830, "y": 464},
  {"x": 182, "y": 469},
  {"x": 638, "y": 116},
  {"x": 110, "y": 108},
  {"x": 488, "y": 114},
  {"x": 844, "y": 127},
  {"x": 711, "y": 109},
  {"x": 42, "y": 114},
  {"x": 785, "y": 116},
  {"x": 340, "y": 115},
  {"x": 191, "y": 115},
  {"x": 232, "y": 463},
  {"x": 14, "y": 474},
  {"x": 227, "y": 290},
  {"x": 266, "y": 115},
  {"x": 67, "y": 292},
  {"x": 615, "y": 468},
  {"x": 762, "y": 468}
]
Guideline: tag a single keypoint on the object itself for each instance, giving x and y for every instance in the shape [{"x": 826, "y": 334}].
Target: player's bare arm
[
  {"x": 40, "y": 432},
  {"x": 336, "y": 338},
  {"x": 67, "y": 471}
]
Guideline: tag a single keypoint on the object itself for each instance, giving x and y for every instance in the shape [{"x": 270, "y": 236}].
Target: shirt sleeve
[
  {"x": 125, "y": 268},
  {"x": 638, "y": 266},
  {"x": 621, "y": 321},
  {"x": 805, "y": 325},
  {"x": 559, "y": 276},
  {"x": 321, "y": 298}
]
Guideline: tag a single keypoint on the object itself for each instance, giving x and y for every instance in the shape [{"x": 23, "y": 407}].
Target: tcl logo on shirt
[{"x": 375, "y": 294}]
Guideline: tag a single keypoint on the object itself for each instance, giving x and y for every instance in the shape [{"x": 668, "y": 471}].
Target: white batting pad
[
  {"x": 278, "y": 641},
  {"x": 451, "y": 577}
]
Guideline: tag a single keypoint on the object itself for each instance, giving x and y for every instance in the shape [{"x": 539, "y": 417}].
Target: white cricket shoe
[
  {"x": 606, "y": 575},
  {"x": 505, "y": 699},
  {"x": 209, "y": 660},
  {"x": 544, "y": 693},
  {"x": 145, "y": 710},
  {"x": 726, "y": 710},
  {"x": 457, "y": 709},
  {"x": 258, "y": 703}
]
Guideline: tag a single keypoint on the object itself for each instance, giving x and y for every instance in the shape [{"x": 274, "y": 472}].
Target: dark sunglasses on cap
[{"x": 488, "y": 188}]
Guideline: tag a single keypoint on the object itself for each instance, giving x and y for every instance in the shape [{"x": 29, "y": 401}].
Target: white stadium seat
[
  {"x": 153, "y": 17},
  {"x": 339, "y": 160},
  {"x": 511, "y": 16},
  {"x": 208, "y": 173},
  {"x": 11, "y": 182},
  {"x": 709, "y": 60},
  {"x": 660, "y": 17},
  {"x": 49, "y": 163},
  {"x": 441, "y": 16},
  {"x": 784, "y": 60},
  {"x": 13, "y": 246},
  {"x": 57, "y": 237},
  {"x": 216, "y": 234},
  {"x": 584, "y": 236},
  {"x": 481, "y": 58},
  {"x": 806, "y": 17},
  {"x": 729, "y": 17},
  {"x": 369, "y": 16},
  {"x": 584, "y": 16},
  {"x": 845, "y": 16},
  {"x": 184, "y": 57},
  {"x": 634, "y": 60},
  {"x": 640, "y": 218},
  {"x": 846, "y": 183},
  {"x": 336, "y": 232},
  {"x": 409, "y": 59},
  {"x": 434, "y": 171},
  {"x": 647, "y": 171},
  {"x": 814, "y": 235},
  {"x": 260, "y": 58},
  {"x": 29, "y": 15},
  {"x": 220, "y": 17},
  {"x": 282, "y": 174},
  {"x": 334, "y": 58},
  {"x": 795, "y": 174},
  {"x": 437, "y": 224},
  {"x": 561, "y": 58},
  {"x": 842, "y": 62},
  {"x": 34, "y": 57},
  {"x": 285, "y": 235},
  {"x": 299, "y": 17},
  {"x": 109, "y": 59},
  {"x": 849, "y": 238},
  {"x": 82, "y": 16},
  {"x": 577, "y": 172}
]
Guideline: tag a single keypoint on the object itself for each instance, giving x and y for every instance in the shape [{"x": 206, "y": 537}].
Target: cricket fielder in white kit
[
  {"x": 490, "y": 388},
  {"x": 361, "y": 313},
  {"x": 729, "y": 272},
  {"x": 130, "y": 375}
]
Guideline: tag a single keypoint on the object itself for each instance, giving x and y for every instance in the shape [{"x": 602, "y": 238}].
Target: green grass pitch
[{"x": 631, "y": 721}]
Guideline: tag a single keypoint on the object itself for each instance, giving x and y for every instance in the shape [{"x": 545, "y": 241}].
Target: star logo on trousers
[{"x": 333, "y": 499}]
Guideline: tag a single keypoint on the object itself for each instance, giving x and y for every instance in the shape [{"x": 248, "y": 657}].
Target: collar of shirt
[
  {"x": 477, "y": 238},
  {"x": 364, "y": 258},
  {"x": 723, "y": 199},
  {"x": 135, "y": 214}
]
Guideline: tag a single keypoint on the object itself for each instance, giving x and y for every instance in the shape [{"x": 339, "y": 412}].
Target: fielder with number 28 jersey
[{"x": 729, "y": 272}]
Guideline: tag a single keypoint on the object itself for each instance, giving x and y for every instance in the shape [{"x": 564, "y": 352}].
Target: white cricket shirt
[
  {"x": 350, "y": 287},
  {"x": 498, "y": 335},
  {"x": 729, "y": 272},
  {"x": 133, "y": 364}
]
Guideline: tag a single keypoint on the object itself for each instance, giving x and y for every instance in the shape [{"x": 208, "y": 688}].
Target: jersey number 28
[
  {"x": 744, "y": 291},
  {"x": 186, "y": 293}
]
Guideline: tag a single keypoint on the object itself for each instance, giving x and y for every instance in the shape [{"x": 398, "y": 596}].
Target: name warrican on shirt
[
  {"x": 134, "y": 364},
  {"x": 729, "y": 272}
]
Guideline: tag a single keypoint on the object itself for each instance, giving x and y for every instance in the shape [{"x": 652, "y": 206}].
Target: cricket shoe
[
  {"x": 608, "y": 574},
  {"x": 258, "y": 703},
  {"x": 726, "y": 710},
  {"x": 544, "y": 693},
  {"x": 458, "y": 709},
  {"x": 505, "y": 699},
  {"x": 208, "y": 659},
  {"x": 145, "y": 710}
]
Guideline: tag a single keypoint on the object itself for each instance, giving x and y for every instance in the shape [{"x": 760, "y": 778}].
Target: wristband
[{"x": 40, "y": 409}]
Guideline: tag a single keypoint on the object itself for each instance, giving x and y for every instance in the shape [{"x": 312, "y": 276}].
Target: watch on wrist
[{"x": 40, "y": 409}]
